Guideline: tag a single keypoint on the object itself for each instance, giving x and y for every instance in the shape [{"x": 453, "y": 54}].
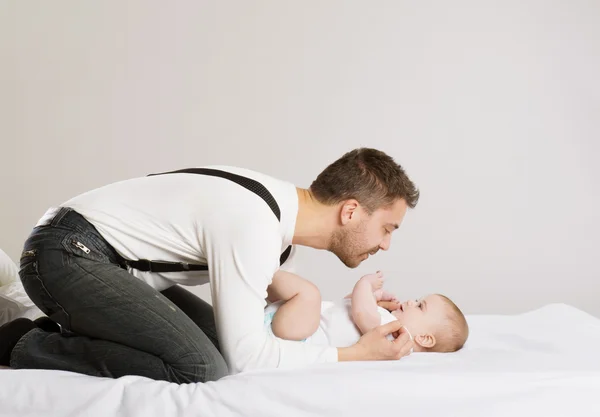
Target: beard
[{"x": 349, "y": 245}]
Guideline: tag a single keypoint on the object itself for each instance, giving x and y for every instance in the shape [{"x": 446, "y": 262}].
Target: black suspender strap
[
  {"x": 248, "y": 183},
  {"x": 163, "y": 266},
  {"x": 285, "y": 255}
]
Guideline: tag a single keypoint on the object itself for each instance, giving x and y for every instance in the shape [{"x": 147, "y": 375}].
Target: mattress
[{"x": 540, "y": 363}]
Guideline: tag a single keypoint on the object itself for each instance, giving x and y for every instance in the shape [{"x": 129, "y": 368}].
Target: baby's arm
[
  {"x": 364, "y": 302},
  {"x": 298, "y": 318}
]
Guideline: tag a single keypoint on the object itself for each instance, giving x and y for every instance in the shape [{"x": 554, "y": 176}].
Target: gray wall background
[{"x": 493, "y": 108}]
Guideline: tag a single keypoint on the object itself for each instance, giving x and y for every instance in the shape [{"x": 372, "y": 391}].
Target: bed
[{"x": 540, "y": 363}]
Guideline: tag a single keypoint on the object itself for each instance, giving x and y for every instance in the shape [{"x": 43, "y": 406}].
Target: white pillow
[
  {"x": 8, "y": 269},
  {"x": 14, "y": 302}
]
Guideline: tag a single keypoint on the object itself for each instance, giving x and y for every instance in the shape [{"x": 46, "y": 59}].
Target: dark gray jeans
[{"x": 113, "y": 324}]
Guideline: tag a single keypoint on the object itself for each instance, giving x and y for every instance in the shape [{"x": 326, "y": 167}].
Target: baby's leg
[
  {"x": 299, "y": 317},
  {"x": 364, "y": 302}
]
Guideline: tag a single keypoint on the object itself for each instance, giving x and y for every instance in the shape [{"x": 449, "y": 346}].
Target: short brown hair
[
  {"x": 368, "y": 175},
  {"x": 453, "y": 331}
]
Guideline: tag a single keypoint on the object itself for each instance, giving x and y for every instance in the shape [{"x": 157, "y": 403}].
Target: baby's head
[{"x": 435, "y": 323}]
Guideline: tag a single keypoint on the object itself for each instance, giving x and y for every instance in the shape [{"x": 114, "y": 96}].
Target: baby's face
[{"x": 423, "y": 315}]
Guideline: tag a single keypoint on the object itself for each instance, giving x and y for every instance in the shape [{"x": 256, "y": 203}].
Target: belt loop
[{"x": 62, "y": 212}]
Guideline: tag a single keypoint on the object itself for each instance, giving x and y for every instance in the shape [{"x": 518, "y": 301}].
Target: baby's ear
[{"x": 425, "y": 340}]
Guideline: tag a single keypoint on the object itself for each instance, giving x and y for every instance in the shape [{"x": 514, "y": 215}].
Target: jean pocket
[
  {"x": 28, "y": 257},
  {"x": 80, "y": 246}
]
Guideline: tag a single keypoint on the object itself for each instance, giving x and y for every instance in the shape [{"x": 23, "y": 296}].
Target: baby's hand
[
  {"x": 389, "y": 305},
  {"x": 382, "y": 295}
]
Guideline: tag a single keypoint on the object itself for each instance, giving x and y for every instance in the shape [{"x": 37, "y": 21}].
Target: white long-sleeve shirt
[{"x": 202, "y": 219}]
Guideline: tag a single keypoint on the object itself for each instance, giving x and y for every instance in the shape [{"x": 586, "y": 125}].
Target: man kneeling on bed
[{"x": 435, "y": 323}]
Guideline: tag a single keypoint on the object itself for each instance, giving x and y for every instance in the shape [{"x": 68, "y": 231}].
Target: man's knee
[
  {"x": 209, "y": 366},
  {"x": 217, "y": 370}
]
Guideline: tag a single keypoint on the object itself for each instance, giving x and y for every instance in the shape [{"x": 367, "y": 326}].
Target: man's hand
[{"x": 375, "y": 346}]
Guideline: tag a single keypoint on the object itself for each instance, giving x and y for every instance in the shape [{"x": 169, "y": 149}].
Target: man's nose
[{"x": 386, "y": 243}]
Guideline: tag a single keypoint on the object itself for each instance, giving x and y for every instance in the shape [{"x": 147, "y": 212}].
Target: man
[{"x": 105, "y": 266}]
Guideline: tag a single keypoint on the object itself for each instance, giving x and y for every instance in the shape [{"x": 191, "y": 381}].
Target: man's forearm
[{"x": 348, "y": 354}]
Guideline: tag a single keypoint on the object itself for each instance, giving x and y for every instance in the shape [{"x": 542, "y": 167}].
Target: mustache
[{"x": 372, "y": 251}]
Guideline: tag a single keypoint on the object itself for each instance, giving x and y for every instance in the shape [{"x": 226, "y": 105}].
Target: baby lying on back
[{"x": 434, "y": 322}]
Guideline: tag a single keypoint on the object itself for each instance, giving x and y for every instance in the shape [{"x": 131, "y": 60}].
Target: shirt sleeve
[{"x": 242, "y": 258}]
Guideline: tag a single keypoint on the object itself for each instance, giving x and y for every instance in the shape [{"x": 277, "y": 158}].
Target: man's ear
[
  {"x": 426, "y": 340},
  {"x": 348, "y": 211}
]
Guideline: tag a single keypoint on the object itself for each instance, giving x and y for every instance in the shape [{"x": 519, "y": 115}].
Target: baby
[{"x": 435, "y": 323}]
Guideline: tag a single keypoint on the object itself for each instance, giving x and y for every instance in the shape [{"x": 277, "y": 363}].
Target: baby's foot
[{"x": 375, "y": 280}]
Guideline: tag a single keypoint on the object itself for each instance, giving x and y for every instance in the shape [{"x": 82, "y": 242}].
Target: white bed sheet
[{"x": 541, "y": 363}]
